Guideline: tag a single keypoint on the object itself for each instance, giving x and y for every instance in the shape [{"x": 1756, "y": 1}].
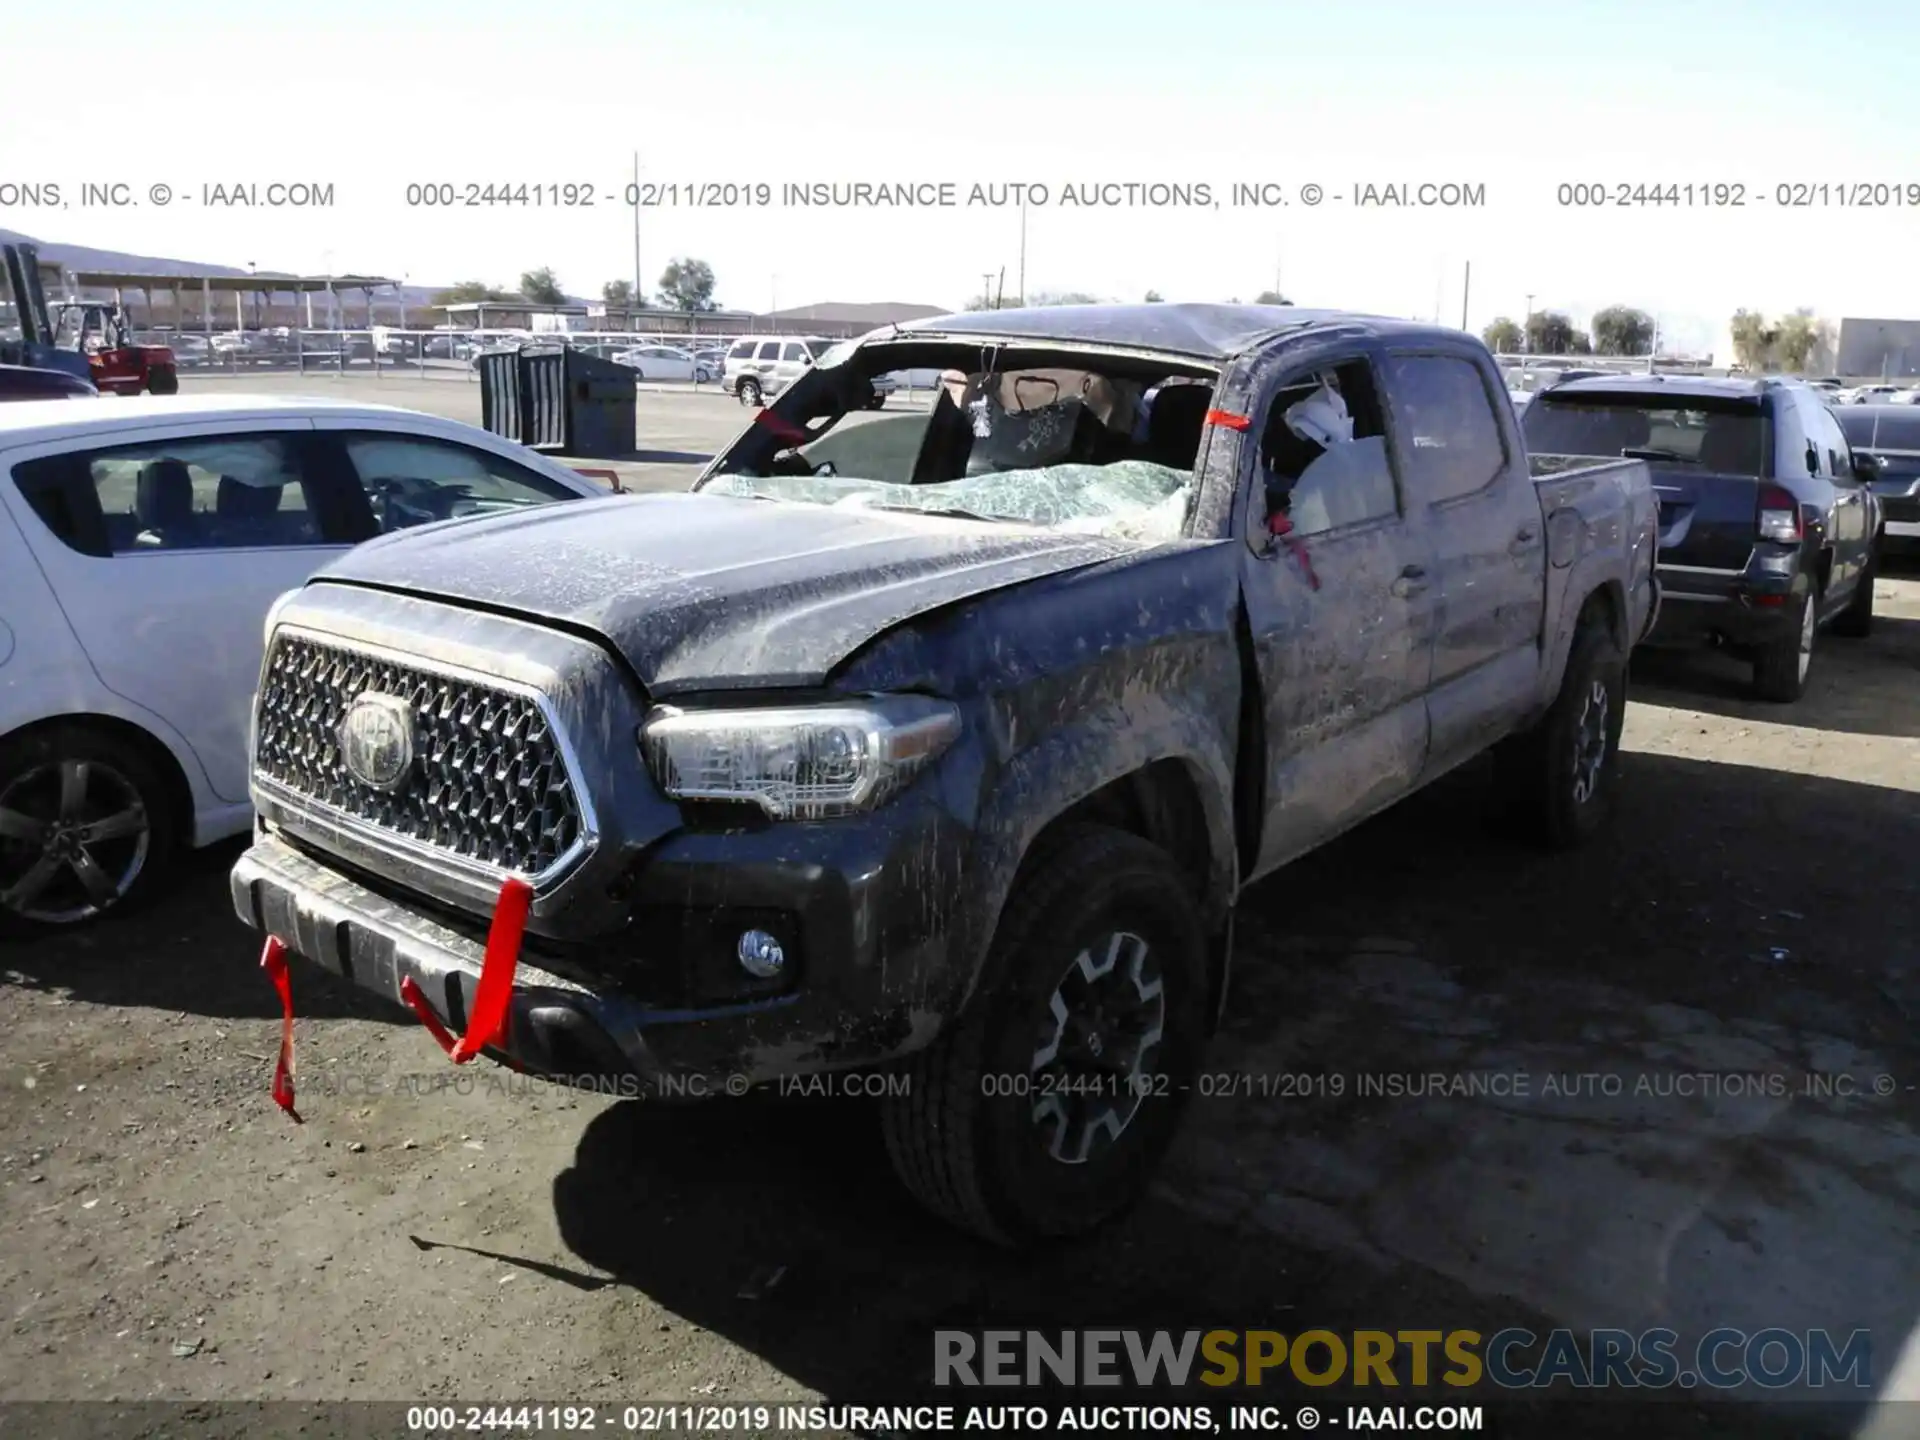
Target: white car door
[
  {"x": 793, "y": 363},
  {"x": 166, "y": 548}
]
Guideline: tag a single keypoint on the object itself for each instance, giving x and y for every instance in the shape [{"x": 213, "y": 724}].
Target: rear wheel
[
  {"x": 1555, "y": 781},
  {"x": 86, "y": 826},
  {"x": 1856, "y": 621},
  {"x": 749, "y": 392},
  {"x": 1041, "y": 1111},
  {"x": 1780, "y": 670},
  {"x": 163, "y": 380}
]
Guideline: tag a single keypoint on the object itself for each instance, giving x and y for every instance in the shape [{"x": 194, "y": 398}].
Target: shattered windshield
[{"x": 1104, "y": 449}]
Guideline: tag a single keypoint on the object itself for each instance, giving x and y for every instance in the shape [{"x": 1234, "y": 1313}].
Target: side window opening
[
  {"x": 1322, "y": 459},
  {"x": 201, "y": 493},
  {"x": 414, "y": 480},
  {"x": 770, "y": 350}
]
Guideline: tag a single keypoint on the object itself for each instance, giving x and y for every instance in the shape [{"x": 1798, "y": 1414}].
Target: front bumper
[{"x": 661, "y": 1003}]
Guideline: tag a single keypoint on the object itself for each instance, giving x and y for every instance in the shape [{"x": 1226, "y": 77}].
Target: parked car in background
[
  {"x": 709, "y": 365},
  {"x": 1889, "y": 436},
  {"x": 960, "y": 755},
  {"x": 1876, "y": 394},
  {"x": 1769, "y": 529},
  {"x": 141, "y": 544},
  {"x": 657, "y": 362},
  {"x": 759, "y": 367}
]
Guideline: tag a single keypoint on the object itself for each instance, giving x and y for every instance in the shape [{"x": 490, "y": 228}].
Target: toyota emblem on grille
[{"x": 376, "y": 740}]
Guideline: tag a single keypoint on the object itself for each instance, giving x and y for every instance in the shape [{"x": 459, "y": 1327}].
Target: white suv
[
  {"x": 761, "y": 366},
  {"x": 142, "y": 542}
]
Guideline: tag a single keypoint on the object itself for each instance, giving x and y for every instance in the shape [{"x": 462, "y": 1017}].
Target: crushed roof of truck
[{"x": 1207, "y": 332}]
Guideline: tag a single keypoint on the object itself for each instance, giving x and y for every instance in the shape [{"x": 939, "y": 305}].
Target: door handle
[{"x": 1412, "y": 581}]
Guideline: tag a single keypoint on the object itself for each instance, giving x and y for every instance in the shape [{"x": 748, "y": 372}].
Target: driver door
[{"x": 1342, "y": 609}]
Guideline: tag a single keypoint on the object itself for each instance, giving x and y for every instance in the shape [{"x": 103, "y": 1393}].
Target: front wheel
[
  {"x": 1043, "y": 1109},
  {"x": 1856, "y": 621},
  {"x": 749, "y": 392},
  {"x": 86, "y": 826},
  {"x": 1556, "y": 780}
]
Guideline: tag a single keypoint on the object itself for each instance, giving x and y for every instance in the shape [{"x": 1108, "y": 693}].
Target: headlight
[{"x": 807, "y": 762}]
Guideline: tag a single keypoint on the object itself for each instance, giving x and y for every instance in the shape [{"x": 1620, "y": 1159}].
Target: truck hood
[{"x": 704, "y": 592}]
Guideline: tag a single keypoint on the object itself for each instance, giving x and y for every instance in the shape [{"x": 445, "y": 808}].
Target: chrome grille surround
[{"x": 495, "y": 789}]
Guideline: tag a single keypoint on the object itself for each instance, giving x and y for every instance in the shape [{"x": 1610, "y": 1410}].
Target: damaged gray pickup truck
[{"x": 945, "y": 741}]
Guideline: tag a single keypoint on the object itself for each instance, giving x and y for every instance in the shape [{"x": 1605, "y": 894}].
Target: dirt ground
[{"x": 166, "y": 1233}]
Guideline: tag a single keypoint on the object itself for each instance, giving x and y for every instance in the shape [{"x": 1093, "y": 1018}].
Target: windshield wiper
[
  {"x": 1643, "y": 452},
  {"x": 945, "y": 512}
]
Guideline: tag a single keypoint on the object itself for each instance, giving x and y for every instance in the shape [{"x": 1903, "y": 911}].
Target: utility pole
[
  {"x": 1022, "y": 295},
  {"x": 1465, "y": 286},
  {"x": 1526, "y": 328},
  {"x": 640, "y": 288},
  {"x": 986, "y": 290}
]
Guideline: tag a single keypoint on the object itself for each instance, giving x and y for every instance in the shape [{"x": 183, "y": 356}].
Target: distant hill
[{"x": 87, "y": 257}]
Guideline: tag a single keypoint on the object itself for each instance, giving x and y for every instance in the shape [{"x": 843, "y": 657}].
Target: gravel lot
[{"x": 166, "y": 1233}]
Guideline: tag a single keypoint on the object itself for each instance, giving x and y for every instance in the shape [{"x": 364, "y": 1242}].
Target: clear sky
[{"x": 1516, "y": 97}]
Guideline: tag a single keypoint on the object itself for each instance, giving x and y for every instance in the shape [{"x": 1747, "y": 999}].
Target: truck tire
[
  {"x": 1042, "y": 1110},
  {"x": 748, "y": 392},
  {"x": 75, "y": 777},
  {"x": 1780, "y": 670},
  {"x": 1555, "y": 781},
  {"x": 163, "y": 380},
  {"x": 1856, "y": 621}
]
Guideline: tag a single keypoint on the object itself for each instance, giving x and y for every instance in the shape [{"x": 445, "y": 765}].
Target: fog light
[{"x": 761, "y": 955}]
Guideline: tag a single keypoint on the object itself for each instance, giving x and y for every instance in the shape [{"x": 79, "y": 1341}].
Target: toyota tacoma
[{"x": 945, "y": 742}]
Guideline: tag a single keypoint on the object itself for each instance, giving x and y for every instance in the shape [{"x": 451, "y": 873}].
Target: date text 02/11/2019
[
  {"x": 1737, "y": 195},
  {"x": 942, "y": 195}
]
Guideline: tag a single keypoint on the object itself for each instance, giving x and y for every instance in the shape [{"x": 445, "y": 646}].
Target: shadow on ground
[
  {"x": 1418, "y": 943},
  {"x": 1859, "y": 687},
  {"x": 193, "y": 955}
]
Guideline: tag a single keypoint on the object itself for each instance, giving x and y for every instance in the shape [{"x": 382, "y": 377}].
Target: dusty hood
[{"x": 705, "y": 592}]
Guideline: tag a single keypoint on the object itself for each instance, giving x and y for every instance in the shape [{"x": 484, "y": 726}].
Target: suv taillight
[{"x": 1779, "y": 515}]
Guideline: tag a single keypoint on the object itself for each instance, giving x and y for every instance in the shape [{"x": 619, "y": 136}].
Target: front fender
[{"x": 1192, "y": 721}]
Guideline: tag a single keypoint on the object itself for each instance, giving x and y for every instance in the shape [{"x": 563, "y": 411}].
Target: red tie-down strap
[
  {"x": 273, "y": 960},
  {"x": 785, "y": 431},
  {"x": 493, "y": 995},
  {"x": 1281, "y": 528}
]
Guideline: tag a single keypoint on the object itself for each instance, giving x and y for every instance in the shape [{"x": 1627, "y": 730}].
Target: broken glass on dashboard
[{"x": 1057, "y": 445}]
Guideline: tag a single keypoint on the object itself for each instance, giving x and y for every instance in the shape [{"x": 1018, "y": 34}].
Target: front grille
[{"x": 488, "y": 783}]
